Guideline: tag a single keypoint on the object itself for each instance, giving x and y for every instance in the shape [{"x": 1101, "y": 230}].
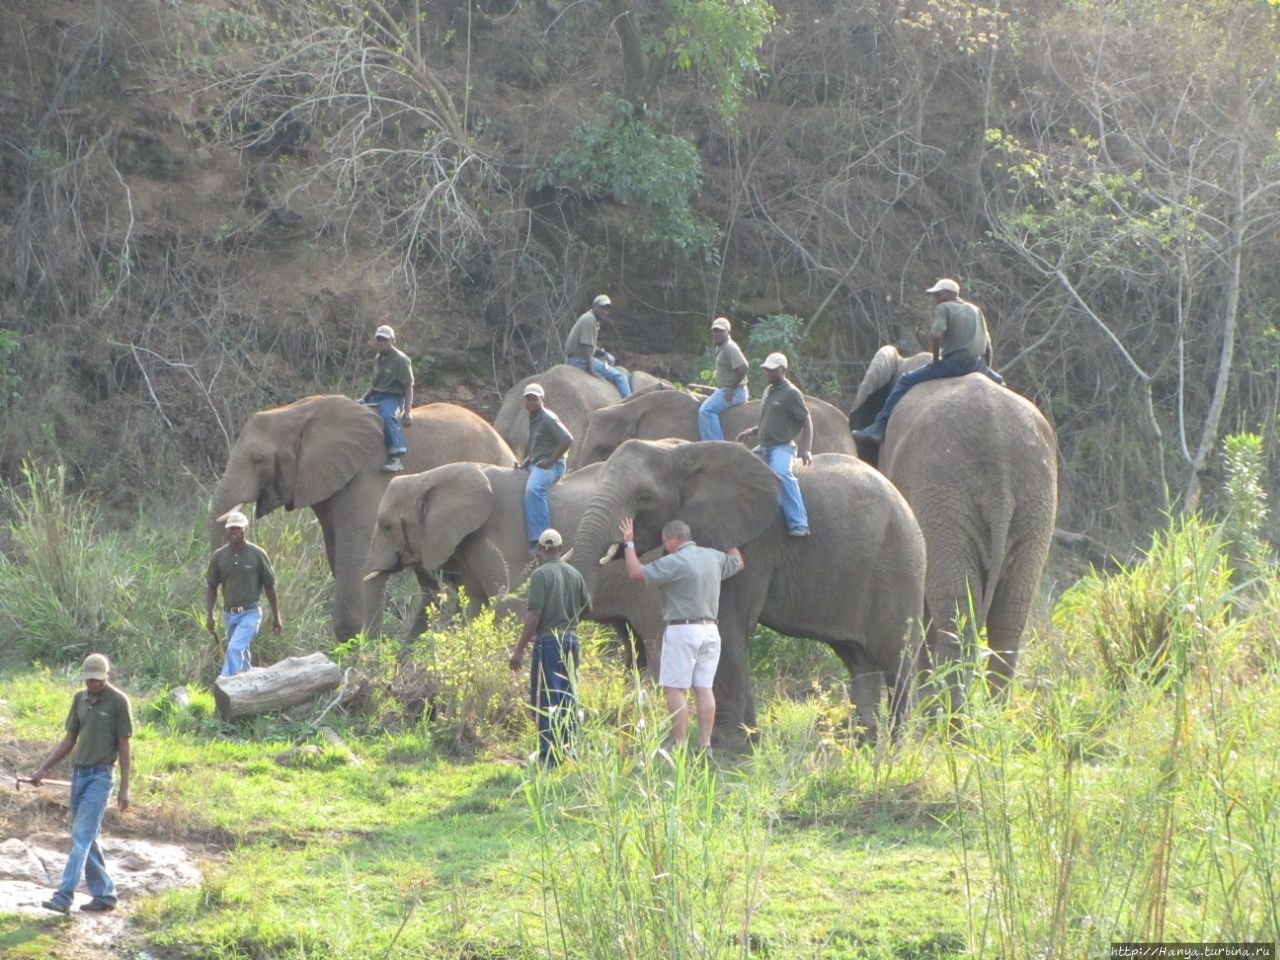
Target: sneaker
[
  {"x": 798, "y": 532},
  {"x": 57, "y": 906},
  {"x": 97, "y": 905},
  {"x": 393, "y": 465}
]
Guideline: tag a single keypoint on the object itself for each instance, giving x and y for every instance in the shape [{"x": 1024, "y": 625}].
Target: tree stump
[{"x": 276, "y": 687}]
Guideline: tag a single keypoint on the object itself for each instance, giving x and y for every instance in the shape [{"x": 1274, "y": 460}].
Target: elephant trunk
[
  {"x": 597, "y": 532},
  {"x": 375, "y": 599},
  {"x": 233, "y": 492}
]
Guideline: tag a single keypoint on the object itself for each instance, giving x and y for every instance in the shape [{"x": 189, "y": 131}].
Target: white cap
[
  {"x": 774, "y": 360},
  {"x": 550, "y": 538},
  {"x": 944, "y": 284},
  {"x": 534, "y": 390},
  {"x": 602, "y": 301},
  {"x": 720, "y": 323},
  {"x": 236, "y": 519},
  {"x": 96, "y": 667},
  {"x": 385, "y": 332}
]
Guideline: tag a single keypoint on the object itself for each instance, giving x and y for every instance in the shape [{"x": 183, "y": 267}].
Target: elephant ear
[
  {"x": 881, "y": 372},
  {"x": 455, "y": 500},
  {"x": 728, "y": 495},
  {"x": 336, "y": 439}
]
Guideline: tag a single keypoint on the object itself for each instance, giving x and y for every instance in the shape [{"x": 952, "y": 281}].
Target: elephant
[
  {"x": 326, "y": 452},
  {"x": 467, "y": 519},
  {"x": 856, "y": 583},
  {"x": 571, "y": 394},
  {"x": 978, "y": 465},
  {"x": 659, "y": 415}
]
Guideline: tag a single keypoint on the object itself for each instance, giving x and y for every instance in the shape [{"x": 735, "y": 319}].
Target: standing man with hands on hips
[{"x": 244, "y": 572}]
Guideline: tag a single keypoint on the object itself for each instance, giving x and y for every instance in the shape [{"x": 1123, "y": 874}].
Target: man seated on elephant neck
[
  {"x": 731, "y": 382},
  {"x": 960, "y": 343},
  {"x": 549, "y": 441},
  {"x": 582, "y": 348},
  {"x": 391, "y": 394},
  {"x": 784, "y": 415}
]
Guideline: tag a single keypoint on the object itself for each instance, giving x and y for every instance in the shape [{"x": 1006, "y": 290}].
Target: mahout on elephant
[
  {"x": 856, "y": 584},
  {"x": 572, "y": 394},
  {"x": 466, "y": 520},
  {"x": 673, "y": 414},
  {"x": 978, "y": 465},
  {"x": 327, "y": 452}
]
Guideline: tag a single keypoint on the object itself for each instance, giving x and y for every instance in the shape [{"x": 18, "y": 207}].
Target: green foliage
[
  {"x": 718, "y": 41},
  {"x": 1246, "y": 503},
  {"x": 656, "y": 176}
]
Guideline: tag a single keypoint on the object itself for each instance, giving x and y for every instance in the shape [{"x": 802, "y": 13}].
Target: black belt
[
  {"x": 681, "y": 623},
  {"x": 252, "y": 606}
]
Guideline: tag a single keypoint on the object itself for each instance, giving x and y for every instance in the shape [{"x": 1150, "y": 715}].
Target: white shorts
[{"x": 690, "y": 654}]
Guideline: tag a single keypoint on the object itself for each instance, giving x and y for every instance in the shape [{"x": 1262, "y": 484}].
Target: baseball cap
[
  {"x": 385, "y": 332},
  {"x": 720, "y": 323},
  {"x": 236, "y": 519},
  {"x": 602, "y": 301},
  {"x": 534, "y": 390},
  {"x": 944, "y": 284},
  {"x": 775, "y": 360},
  {"x": 96, "y": 667},
  {"x": 550, "y": 538}
]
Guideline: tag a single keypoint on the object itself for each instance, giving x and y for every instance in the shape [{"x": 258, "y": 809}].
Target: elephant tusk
[
  {"x": 372, "y": 575},
  {"x": 609, "y": 554},
  {"x": 567, "y": 555},
  {"x": 238, "y": 508}
]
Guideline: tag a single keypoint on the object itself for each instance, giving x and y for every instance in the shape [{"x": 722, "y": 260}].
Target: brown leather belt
[
  {"x": 681, "y": 623},
  {"x": 251, "y": 606}
]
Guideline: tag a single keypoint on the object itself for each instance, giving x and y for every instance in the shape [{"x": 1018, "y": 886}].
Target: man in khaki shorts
[{"x": 689, "y": 578}]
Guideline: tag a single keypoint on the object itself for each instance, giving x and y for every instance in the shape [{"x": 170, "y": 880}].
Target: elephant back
[
  {"x": 444, "y": 433},
  {"x": 571, "y": 394}
]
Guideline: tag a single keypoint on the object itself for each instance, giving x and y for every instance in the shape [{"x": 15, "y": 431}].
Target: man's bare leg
[
  {"x": 706, "y": 701},
  {"x": 678, "y": 707}
]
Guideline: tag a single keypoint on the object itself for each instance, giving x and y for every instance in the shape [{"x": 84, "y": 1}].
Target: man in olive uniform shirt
[
  {"x": 98, "y": 727},
  {"x": 960, "y": 343},
  {"x": 392, "y": 394},
  {"x": 783, "y": 416},
  {"x": 688, "y": 577},
  {"x": 731, "y": 382},
  {"x": 549, "y": 441},
  {"x": 557, "y": 599},
  {"x": 244, "y": 571},
  {"x": 582, "y": 347}
]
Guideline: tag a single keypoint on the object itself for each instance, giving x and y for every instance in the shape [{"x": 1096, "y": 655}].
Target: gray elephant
[
  {"x": 467, "y": 519},
  {"x": 856, "y": 583},
  {"x": 978, "y": 464},
  {"x": 572, "y": 394},
  {"x": 326, "y": 453},
  {"x": 674, "y": 414}
]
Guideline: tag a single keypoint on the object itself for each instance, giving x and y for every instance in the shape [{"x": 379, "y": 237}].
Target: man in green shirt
[
  {"x": 98, "y": 727},
  {"x": 244, "y": 571},
  {"x": 392, "y": 394},
  {"x": 731, "y": 382},
  {"x": 688, "y": 577},
  {"x": 582, "y": 348},
  {"x": 549, "y": 441},
  {"x": 783, "y": 416},
  {"x": 960, "y": 343},
  {"x": 558, "y": 597}
]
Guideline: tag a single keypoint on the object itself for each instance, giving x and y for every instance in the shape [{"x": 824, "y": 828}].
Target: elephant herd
[{"x": 952, "y": 531}]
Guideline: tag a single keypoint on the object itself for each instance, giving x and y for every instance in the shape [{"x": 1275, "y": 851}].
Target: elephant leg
[
  {"x": 1006, "y": 621},
  {"x": 866, "y": 685},
  {"x": 426, "y": 585},
  {"x": 735, "y": 711}
]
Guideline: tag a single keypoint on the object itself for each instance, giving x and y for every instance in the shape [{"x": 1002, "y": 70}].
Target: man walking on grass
[
  {"x": 244, "y": 571},
  {"x": 98, "y": 727},
  {"x": 689, "y": 578}
]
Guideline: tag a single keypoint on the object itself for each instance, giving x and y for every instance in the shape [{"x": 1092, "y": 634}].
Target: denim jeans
[
  {"x": 709, "y": 412},
  {"x": 537, "y": 514},
  {"x": 90, "y": 791},
  {"x": 601, "y": 369},
  {"x": 945, "y": 367},
  {"x": 780, "y": 457},
  {"x": 241, "y": 629},
  {"x": 388, "y": 406},
  {"x": 552, "y": 673}
]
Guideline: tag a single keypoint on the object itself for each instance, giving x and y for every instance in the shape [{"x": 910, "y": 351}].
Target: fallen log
[{"x": 277, "y": 687}]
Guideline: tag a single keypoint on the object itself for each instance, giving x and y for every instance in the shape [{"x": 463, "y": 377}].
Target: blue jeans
[
  {"x": 552, "y": 673},
  {"x": 388, "y": 406},
  {"x": 711, "y": 408},
  {"x": 241, "y": 629},
  {"x": 601, "y": 369},
  {"x": 537, "y": 514},
  {"x": 90, "y": 791},
  {"x": 779, "y": 458},
  {"x": 945, "y": 367}
]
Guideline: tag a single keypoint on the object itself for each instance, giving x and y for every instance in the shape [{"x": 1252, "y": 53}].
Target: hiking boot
[
  {"x": 393, "y": 465},
  {"x": 98, "y": 905},
  {"x": 57, "y": 906},
  {"x": 869, "y": 435}
]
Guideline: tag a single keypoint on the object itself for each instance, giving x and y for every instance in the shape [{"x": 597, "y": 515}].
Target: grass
[{"x": 1128, "y": 788}]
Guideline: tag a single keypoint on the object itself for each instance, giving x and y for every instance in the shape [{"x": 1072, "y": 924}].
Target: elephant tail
[{"x": 1000, "y": 527}]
